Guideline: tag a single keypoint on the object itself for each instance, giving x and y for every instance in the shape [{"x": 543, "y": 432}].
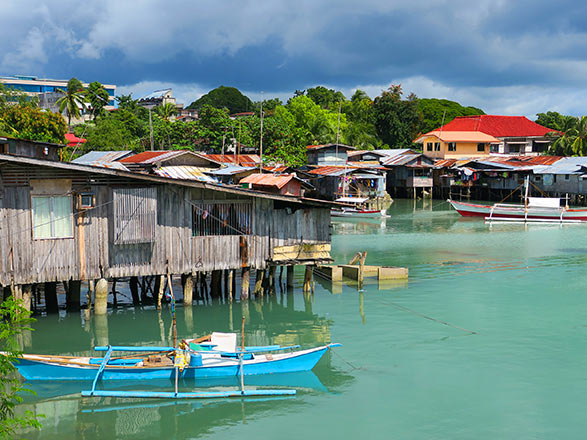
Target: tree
[
  {"x": 14, "y": 319},
  {"x": 397, "y": 121},
  {"x": 556, "y": 121},
  {"x": 313, "y": 124},
  {"x": 166, "y": 111},
  {"x": 26, "y": 122},
  {"x": 224, "y": 97},
  {"x": 437, "y": 112},
  {"x": 325, "y": 98},
  {"x": 72, "y": 101},
  {"x": 97, "y": 97},
  {"x": 109, "y": 134},
  {"x": 573, "y": 142}
]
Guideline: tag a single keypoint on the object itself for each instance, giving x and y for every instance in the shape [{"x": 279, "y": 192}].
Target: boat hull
[
  {"x": 358, "y": 213},
  {"x": 519, "y": 212},
  {"x": 33, "y": 367}
]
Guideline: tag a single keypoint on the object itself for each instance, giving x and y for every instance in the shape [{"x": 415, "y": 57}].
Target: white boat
[
  {"x": 534, "y": 209},
  {"x": 358, "y": 210}
]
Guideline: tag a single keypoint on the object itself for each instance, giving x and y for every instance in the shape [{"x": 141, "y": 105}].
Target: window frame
[
  {"x": 436, "y": 146},
  {"x": 52, "y": 221},
  {"x": 428, "y": 146},
  {"x": 452, "y": 146},
  {"x": 480, "y": 147}
]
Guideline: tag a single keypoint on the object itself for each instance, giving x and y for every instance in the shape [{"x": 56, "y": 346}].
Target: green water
[{"x": 408, "y": 368}]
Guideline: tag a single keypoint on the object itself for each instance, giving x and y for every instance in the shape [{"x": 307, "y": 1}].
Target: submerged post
[
  {"x": 230, "y": 284},
  {"x": 26, "y": 296},
  {"x": 101, "y": 297},
  {"x": 308, "y": 279},
  {"x": 133, "y": 285},
  {"x": 161, "y": 290},
  {"x": 290, "y": 276},
  {"x": 73, "y": 295},
  {"x": 245, "y": 280},
  {"x": 51, "y": 304}
]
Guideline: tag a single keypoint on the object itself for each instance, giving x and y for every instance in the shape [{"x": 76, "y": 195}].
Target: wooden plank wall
[{"x": 92, "y": 254}]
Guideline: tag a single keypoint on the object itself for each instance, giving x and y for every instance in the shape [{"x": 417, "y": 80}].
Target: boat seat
[{"x": 224, "y": 342}]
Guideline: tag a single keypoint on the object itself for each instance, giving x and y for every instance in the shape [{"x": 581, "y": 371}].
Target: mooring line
[
  {"x": 405, "y": 309},
  {"x": 346, "y": 362}
]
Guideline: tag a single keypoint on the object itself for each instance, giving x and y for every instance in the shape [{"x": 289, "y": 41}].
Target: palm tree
[
  {"x": 167, "y": 110},
  {"x": 73, "y": 100},
  {"x": 570, "y": 140}
]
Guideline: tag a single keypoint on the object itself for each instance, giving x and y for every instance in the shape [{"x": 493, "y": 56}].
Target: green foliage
[
  {"x": 108, "y": 134},
  {"x": 14, "y": 319},
  {"x": 556, "y": 121},
  {"x": 397, "y": 121},
  {"x": 27, "y": 122},
  {"x": 97, "y": 97},
  {"x": 436, "y": 112},
  {"x": 166, "y": 111},
  {"x": 224, "y": 97},
  {"x": 573, "y": 141},
  {"x": 325, "y": 98},
  {"x": 312, "y": 123}
]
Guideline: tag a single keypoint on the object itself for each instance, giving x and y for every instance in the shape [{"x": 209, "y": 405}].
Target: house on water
[{"x": 64, "y": 222}]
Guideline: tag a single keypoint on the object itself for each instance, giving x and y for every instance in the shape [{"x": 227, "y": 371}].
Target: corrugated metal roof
[
  {"x": 277, "y": 181},
  {"x": 332, "y": 171},
  {"x": 152, "y": 156},
  {"x": 228, "y": 170},
  {"x": 318, "y": 147},
  {"x": 403, "y": 159},
  {"x": 185, "y": 172},
  {"x": 102, "y": 156},
  {"x": 243, "y": 159},
  {"x": 566, "y": 165}
]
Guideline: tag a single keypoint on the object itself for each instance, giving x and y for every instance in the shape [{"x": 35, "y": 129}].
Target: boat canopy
[
  {"x": 352, "y": 199},
  {"x": 544, "y": 202}
]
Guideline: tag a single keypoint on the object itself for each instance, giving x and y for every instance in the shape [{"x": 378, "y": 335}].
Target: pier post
[
  {"x": 101, "y": 323},
  {"x": 216, "y": 284},
  {"x": 308, "y": 279},
  {"x": 133, "y": 286},
  {"x": 290, "y": 276},
  {"x": 51, "y": 305},
  {"x": 101, "y": 297},
  {"x": 72, "y": 299},
  {"x": 188, "y": 289},
  {"x": 272, "y": 270},
  {"x": 230, "y": 288},
  {"x": 161, "y": 290},
  {"x": 89, "y": 295},
  {"x": 245, "y": 280},
  {"x": 27, "y": 290},
  {"x": 259, "y": 282}
]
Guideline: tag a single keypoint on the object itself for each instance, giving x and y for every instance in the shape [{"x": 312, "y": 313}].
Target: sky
[{"x": 517, "y": 57}]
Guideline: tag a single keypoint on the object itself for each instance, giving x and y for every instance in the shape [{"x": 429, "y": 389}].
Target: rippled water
[{"x": 486, "y": 340}]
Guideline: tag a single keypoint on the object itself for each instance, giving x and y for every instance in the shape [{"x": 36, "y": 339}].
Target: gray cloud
[{"x": 458, "y": 48}]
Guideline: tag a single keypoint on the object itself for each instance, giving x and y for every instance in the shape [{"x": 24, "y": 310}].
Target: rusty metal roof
[
  {"x": 152, "y": 156},
  {"x": 243, "y": 159},
  {"x": 273, "y": 180},
  {"x": 318, "y": 147},
  {"x": 332, "y": 171}
]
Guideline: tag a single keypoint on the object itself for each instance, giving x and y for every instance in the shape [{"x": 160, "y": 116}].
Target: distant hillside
[
  {"x": 221, "y": 97},
  {"x": 433, "y": 110}
]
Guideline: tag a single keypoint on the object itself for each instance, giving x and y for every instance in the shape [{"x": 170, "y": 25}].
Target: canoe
[{"x": 204, "y": 364}]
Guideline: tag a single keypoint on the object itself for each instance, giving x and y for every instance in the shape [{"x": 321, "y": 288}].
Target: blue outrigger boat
[{"x": 193, "y": 361}]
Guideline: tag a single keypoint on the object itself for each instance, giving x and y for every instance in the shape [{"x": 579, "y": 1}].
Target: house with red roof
[
  {"x": 284, "y": 184},
  {"x": 482, "y": 135}
]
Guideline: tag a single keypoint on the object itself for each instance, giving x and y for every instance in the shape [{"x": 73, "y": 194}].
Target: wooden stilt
[
  {"x": 161, "y": 290},
  {"x": 133, "y": 286},
  {"x": 26, "y": 296},
  {"x": 114, "y": 297},
  {"x": 272, "y": 270},
  {"x": 245, "y": 279},
  {"x": 308, "y": 279},
  {"x": 259, "y": 282},
  {"x": 230, "y": 287},
  {"x": 216, "y": 284},
  {"x": 51, "y": 305},
  {"x": 89, "y": 295},
  {"x": 188, "y": 289},
  {"x": 73, "y": 295},
  {"x": 226, "y": 286},
  {"x": 290, "y": 276}
]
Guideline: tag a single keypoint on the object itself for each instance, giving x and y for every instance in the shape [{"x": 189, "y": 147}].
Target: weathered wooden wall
[{"x": 92, "y": 253}]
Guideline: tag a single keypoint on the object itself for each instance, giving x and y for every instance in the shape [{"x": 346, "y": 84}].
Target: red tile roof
[{"x": 498, "y": 126}]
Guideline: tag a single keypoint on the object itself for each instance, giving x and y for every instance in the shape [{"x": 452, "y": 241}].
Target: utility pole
[
  {"x": 151, "y": 128},
  {"x": 261, "y": 140}
]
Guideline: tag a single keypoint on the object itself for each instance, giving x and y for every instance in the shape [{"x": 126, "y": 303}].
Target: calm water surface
[{"x": 410, "y": 366}]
